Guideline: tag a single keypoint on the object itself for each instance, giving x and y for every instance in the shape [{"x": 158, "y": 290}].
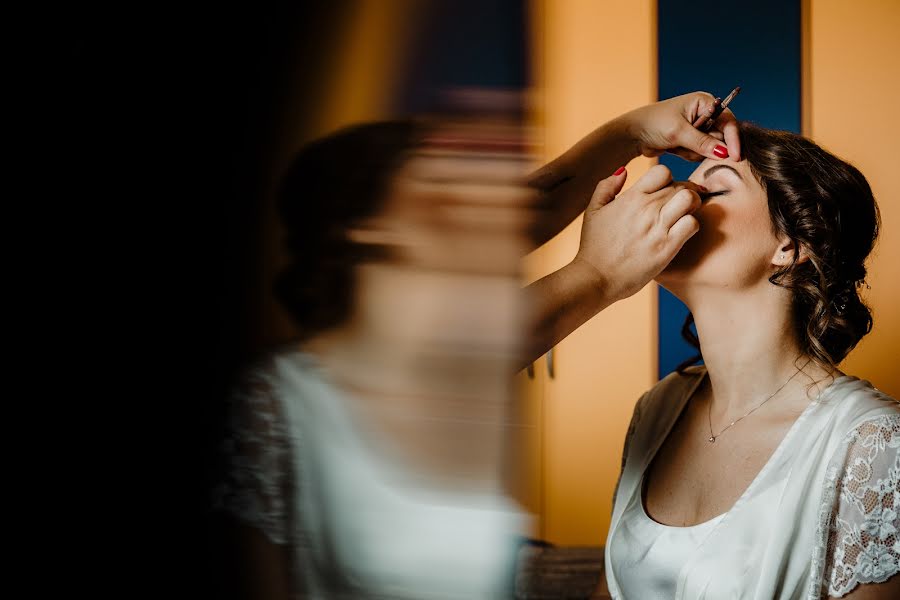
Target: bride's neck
[{"x": 749, "y": 345}]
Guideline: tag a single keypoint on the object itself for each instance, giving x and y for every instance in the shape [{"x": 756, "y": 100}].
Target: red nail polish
[
  {"x": 721, "y": 151},
  {"x": 621, "y": 170}
]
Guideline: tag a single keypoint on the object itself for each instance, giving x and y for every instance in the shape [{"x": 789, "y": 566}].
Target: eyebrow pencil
[{"x": 705, "y": 121}]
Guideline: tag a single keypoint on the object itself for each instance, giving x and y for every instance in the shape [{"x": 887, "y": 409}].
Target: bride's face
[{"x": 736, "y": 243}]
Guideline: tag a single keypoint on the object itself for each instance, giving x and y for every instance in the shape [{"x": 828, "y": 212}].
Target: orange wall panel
[{"x": 853, "y": 86}]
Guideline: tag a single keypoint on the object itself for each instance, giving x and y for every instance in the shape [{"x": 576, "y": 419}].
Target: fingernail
[
  {"x": 621, "y": 170},
  {"x": 721, "y": 151},
  {"x": 703, "y": 188}
]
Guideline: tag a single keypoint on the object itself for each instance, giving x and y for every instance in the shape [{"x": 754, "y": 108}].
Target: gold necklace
[{"x": 713, "y": 437}]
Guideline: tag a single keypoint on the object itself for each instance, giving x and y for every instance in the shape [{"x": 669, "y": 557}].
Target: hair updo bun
[{"x": 330, "y": 185}]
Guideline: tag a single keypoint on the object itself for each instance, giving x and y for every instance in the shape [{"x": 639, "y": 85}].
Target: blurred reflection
[{"x": 366, "y": 460}]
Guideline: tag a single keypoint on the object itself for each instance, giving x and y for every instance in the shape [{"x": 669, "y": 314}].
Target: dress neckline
[
  {"x": 675, "y": 528},
  {"x": 773, "y": 459}
]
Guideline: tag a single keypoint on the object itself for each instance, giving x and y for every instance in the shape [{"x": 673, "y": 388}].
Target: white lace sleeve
[
  {"x": 864, "y": 526},
  {"x": 256, "y": 484}
]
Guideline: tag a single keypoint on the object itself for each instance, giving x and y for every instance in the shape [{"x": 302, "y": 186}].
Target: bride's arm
[
  {"x": 254, "y": 496},
  {"x": 889, "y": 590},
  {"x": 862, "y": 554}
]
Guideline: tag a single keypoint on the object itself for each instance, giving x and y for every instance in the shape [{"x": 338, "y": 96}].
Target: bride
[{"x": 767, "y": 472}]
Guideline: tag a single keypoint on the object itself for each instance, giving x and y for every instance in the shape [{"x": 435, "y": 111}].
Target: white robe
[
  {"x": 820, "y": 517},
  {"x": 304, "y": 469}
]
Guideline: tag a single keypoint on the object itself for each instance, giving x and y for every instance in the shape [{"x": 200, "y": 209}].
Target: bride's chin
[
  {"x": 683, "y": 270},
  {"x": 675, "y": 281},
  {"x": 673, "y": 275}
]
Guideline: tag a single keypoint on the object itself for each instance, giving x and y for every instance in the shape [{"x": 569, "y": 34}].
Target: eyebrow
[{"x": 712, "y": 170}]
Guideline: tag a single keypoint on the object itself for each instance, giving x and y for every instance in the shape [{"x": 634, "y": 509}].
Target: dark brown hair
[
  {"x": 330, "y": 185},
  {"x": 824, "y": 205}
]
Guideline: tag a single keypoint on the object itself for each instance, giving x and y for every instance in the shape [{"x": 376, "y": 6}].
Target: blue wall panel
[{"x": 715, "y": 46}]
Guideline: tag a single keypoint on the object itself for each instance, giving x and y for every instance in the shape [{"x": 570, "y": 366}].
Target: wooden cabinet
[{"x": 595, "y": 60}]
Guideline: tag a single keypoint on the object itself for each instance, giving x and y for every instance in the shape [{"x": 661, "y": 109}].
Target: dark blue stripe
[{"x": 714, "y": 46}]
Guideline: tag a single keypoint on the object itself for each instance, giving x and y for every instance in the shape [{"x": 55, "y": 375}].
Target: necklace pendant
[{"x": 712, "y": 439}]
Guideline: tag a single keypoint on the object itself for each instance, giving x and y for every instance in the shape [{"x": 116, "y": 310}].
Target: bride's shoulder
[
  {"x": 855, "y": 400},
  {"x": 851, "y": 406}
]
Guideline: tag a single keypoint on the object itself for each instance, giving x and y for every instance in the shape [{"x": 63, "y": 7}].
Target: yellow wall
[
  {"x": 595, "y": 60},
  {"x": 851, "y": 102}
]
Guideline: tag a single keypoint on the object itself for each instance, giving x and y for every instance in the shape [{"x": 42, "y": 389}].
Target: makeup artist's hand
[
  {"x": 666, "y": 127},
  {"x": 628, "y": 240},
  {"x": 625, "y": 242}
]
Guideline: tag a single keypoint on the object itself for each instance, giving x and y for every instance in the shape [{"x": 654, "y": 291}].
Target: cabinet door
[
  {"x": 594, "y": 61},
  {"x": 524, "y": 465}
]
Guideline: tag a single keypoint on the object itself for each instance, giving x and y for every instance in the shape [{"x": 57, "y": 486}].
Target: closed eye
[{"x": 704, "y": 196}]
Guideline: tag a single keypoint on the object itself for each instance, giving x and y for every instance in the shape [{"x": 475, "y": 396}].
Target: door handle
[{"x": 551, "y": 371}]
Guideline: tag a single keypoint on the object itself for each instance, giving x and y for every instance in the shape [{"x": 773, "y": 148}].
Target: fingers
[
  {"x": 656, "y": 178},
  {"x": 691, "y": 186},
  {"x": 693, "y": 156},
  {"x": 703, "y": 144},
  {"x": 607, "y": 189},
  {"x": 684, "y": 202},
  {"x": 681, "y": 232},
  {"x": 706, "y": 145},
  {"x": 696, "y": 104},
  {"x": 728, "y": 125}
]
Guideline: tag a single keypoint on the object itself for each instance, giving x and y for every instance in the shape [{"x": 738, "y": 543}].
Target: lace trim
[
  {"x": 858, "y": 535},
  {"x": 256, "y": 453}
]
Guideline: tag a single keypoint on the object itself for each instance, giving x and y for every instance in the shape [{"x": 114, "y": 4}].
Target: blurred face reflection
[
  {"x": 443, "y": 304},
  {"x": 459, "y": 214}
]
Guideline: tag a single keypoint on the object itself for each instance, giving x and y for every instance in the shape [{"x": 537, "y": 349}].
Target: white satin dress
[{"x": 820, "y": 518}]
